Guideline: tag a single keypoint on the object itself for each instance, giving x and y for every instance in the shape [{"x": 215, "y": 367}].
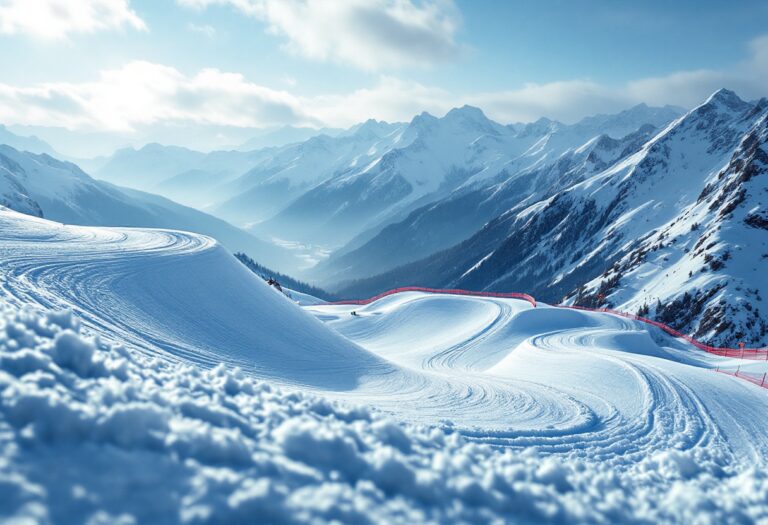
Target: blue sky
[{"x": 128, "y": 67}]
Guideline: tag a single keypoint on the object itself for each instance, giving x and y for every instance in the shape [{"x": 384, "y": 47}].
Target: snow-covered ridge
[
  {"x": 434, "y": 158},
  {"x": 334, "y": 187}
]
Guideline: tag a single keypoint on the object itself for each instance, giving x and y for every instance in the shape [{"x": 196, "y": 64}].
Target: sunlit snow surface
[{"x": 505, "y": 412}]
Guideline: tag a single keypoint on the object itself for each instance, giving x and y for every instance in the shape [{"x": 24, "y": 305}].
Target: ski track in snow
[{"x": 585, "y": 385}]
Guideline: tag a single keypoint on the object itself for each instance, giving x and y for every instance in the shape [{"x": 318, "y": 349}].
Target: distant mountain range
[
  {"x": 654, "y": 210},
  {"x": 342, "y": 189},
  {"x": 676, "y": 228},
  {"x": 30, "y": 143}
]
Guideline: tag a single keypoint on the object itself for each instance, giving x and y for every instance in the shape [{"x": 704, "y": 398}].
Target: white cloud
[
  {"x": 749, "y": 78},
  {"x": 369, "y": 34},
  {"x": 574, "y": 99},
  {"x": 391, "y": 100},
  {"x": 55, "y": 19},
  {"x": 205, "y": 30},
  {"x": 564, "y": 100},
  {"x": 143, "y": 93},
  {"x": 569, "y": 100}
]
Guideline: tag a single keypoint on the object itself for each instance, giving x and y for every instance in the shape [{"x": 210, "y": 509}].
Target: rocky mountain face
[
  {"x": 704, "y": 272},
  {"x": 677, "y": 226}
]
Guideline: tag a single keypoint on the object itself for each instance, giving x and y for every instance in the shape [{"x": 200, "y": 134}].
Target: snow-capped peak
[
  {"x": 727, "y": 98},
  {"x": 541, "y": 127},
  {"x": 468, "y": 113},
  {"x": 423, "y": 120}
]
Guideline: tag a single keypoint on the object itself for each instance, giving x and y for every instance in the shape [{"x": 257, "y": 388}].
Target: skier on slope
[{"x": 273, "y": 282}]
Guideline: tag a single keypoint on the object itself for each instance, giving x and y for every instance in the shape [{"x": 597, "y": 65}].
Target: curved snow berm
[
  {"x": 582, "y": 384},
  {"x": 175, "y": 295}
]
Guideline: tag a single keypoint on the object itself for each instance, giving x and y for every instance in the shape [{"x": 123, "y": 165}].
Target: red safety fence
[
  {"x": 740, "y": 353},
  {"x": 510, "y": 295},
  {"x": 760, "y": 354},
  {"x": 756, "y": 378}
]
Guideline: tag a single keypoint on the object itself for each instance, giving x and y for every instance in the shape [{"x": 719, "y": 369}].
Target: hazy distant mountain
[
  {"x": 188, "y": 176},
  {"x": 275, "y": 137},
  {"x": 44, "y": 186},
  {"x": 620, "y": 124},
  {"x": 22, "y": 143},
  {"x": 283, "y": 175},
  {"x": 87, "y": 144}
]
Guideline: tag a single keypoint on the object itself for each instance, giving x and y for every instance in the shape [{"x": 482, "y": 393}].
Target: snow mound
[
  {"x": 91, "y": 433},
  {"x": 177, "y": 295}
]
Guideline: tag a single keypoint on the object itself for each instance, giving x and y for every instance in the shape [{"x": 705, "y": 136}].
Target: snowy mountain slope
[
  {"x": 634, "y": 390},
  {"x": 442, "y": 224},
  {"x": 181, "y": 297},
  {"x": 13, "y": 194},
  {"x": 173, "y": 295},
  {"x": 704, "y": 271},
  {"x": 558, "y": 244},
  {"x": 408, "y": 166},
  {"x": 42, "y": 185}
]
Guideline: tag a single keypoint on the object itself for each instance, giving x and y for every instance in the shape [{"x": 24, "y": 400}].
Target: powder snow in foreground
[
  {"x": 421, "y": 408},
  {"x": 91, "y": 433}
]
